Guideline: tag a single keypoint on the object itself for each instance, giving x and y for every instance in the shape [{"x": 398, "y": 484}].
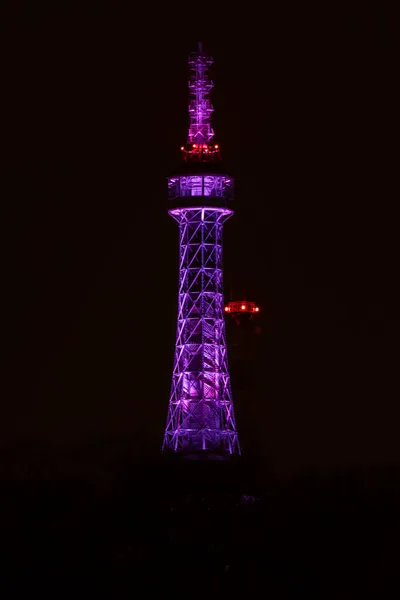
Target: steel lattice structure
[
  {"x": 200, "y": 107},
  {"x": 200, "y": 415}
]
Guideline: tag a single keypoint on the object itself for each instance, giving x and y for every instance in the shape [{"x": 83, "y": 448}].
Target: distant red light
[
  {"x": 226, "y": 308},
  {"x": 204, "y": 145},
  {"x": 243, "y": 307},
  {"x": 216, "y": 146},
  {"x": 182, "y": 147},
  {"x": 194, "y": 145},
  {"x": 257, "y": 309}
]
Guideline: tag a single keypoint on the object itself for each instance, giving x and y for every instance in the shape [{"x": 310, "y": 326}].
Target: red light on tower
[{"x": 241, "y": 306}]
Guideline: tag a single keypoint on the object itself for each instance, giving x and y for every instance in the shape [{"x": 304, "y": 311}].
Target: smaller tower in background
[
  {"x": 243, "y": 322},
  {"x": 244, "y": 330}
]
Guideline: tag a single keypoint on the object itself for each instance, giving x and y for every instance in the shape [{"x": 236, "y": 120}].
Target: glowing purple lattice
[
  {"x": 200, "y": 107},
  {"x": 200, "y": 414}
]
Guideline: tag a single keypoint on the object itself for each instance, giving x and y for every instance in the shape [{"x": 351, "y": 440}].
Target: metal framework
[
  {"x": 200, "y": 414},
  {"x": 200, "y": 107}
]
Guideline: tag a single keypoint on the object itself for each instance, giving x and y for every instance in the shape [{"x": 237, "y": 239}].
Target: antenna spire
[{"x": 200, "y": 107}]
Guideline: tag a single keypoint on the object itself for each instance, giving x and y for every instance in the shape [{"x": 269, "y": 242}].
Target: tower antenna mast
[{"x": 200, "y": 107}]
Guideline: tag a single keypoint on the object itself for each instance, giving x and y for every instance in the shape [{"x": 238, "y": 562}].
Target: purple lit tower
[{"x": 201, "y": 418}]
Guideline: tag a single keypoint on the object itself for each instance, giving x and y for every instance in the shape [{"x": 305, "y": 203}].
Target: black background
[{"x": 95, "y": 111}]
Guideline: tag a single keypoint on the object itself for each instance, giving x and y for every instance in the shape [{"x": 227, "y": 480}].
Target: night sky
[{"x": 306, "y": 113}]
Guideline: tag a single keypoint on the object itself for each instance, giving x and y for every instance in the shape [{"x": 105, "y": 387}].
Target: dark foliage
[{"x": 103, "y": 521}]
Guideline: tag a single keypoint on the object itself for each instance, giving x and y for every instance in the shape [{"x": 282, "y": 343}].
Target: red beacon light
[
  {"x": 216, "y": 146},
  {"x": 182, "y": 147},
  {"x": 242, "y": 307},
  {"x": 194, "y": 145}
]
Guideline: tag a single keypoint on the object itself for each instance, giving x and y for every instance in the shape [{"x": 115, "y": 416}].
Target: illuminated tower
[{"x": 200, "y": 415}]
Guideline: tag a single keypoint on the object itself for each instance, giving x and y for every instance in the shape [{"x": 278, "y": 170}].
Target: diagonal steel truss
[
  {"x": 200, "y": 414},
  {"x": 200, "y": 107}
]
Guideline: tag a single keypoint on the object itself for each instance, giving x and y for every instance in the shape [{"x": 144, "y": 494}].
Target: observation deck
[{"x": 201, "y": 180}]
